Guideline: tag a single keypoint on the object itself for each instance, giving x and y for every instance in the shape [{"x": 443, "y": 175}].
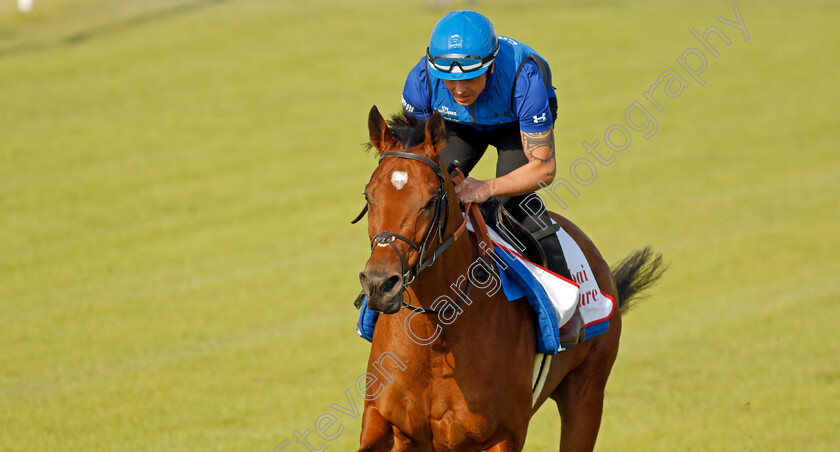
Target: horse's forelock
[{"x": 408, "y": 130}]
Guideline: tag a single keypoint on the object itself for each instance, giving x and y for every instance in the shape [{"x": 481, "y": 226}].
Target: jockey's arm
[{"x": 537, "y": 173}]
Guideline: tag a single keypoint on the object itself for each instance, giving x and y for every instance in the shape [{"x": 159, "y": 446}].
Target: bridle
[{"x": 439, "y": 222}]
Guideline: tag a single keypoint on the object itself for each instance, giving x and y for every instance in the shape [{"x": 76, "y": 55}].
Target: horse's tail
[{"x": 635, "y": 273}]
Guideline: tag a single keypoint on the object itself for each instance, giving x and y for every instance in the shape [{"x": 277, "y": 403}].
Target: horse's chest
[
  {"x": 456, "y": 421},
  {"x": 456, "y": 394},
  {"x": 464, "y": 411}
]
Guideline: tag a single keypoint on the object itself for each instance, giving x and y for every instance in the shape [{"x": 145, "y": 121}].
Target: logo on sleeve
[
  {"x": 539, "y": 119},
  {"x": 408, "y": 107}
]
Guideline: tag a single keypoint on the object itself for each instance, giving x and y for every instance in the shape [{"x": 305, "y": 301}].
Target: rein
[{"x": 439, "y": 221}]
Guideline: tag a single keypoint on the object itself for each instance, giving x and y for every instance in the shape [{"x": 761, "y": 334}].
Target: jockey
[{"x": 491, "y": 90}]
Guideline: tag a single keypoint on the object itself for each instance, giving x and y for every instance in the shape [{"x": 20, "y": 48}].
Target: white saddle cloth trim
[
  {"x": 562, "y": 292},
  {"x": 583, "y": 291},
  {"x": 595, "y": 305}
]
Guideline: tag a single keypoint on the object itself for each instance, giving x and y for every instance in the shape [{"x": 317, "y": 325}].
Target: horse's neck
[{"x": 450, "y": 267}]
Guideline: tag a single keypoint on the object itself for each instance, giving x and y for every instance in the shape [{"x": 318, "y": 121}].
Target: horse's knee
[
  {"x": 504, "y": 441},
  {"x": 377, "y": 433},
  {"x": 504, "y": 446}
]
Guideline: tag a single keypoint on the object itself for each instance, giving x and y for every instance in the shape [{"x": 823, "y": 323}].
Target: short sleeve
[
  {"x": 416, "y": 98},
  {"x": 530, "y": 100}
]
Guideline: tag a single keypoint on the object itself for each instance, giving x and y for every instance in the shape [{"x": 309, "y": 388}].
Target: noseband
[{"x": 439, "y": 221}]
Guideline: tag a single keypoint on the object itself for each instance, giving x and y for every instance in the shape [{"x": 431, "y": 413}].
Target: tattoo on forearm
[{"x": 540, "y": 145}]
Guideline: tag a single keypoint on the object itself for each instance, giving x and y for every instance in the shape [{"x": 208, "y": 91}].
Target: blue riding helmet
[{"x": 463, "y": 46}]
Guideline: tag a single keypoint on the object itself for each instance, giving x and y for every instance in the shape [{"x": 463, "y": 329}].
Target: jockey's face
[{"x": 465, "y": 92}]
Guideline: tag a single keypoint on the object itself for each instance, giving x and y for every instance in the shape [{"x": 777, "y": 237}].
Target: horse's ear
[
  {"x": 435, "y": 134},
  {"x": 380, "y": 134}
]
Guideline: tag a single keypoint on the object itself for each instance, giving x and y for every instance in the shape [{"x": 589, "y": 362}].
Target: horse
[{"x": 456, "y": 375}]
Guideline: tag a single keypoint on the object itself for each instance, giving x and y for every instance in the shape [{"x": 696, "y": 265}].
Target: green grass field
[{"x": 177, "y": 178}]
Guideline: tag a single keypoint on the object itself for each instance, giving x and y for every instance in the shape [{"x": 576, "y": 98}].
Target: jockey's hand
[{"x": 473, "y": 190}]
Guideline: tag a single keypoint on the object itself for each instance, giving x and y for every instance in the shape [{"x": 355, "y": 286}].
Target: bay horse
[{"x": 438, "y": 383}]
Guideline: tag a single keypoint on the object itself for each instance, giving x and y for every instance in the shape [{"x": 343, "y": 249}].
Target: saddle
[
  {"x": 527, "y": 243},
  {"x": 515, "y": 233}
]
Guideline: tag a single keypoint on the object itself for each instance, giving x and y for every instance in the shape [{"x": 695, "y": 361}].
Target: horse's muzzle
[{"x": 384, "y": 290}]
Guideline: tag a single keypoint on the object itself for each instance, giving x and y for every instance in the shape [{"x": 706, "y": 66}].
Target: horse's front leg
[
  {"x": 504, "y": 441},
  {"x": 379, "y": 435},
  {"x": 504, "y": 446}
]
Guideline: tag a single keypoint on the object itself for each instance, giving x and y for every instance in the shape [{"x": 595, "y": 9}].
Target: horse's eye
[{"x": 430, "y": 204}]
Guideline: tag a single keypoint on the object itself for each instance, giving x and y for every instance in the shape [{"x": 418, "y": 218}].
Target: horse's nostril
[
  {"x": 389, "y": 283},
  {"x": 365, "y": 283}
]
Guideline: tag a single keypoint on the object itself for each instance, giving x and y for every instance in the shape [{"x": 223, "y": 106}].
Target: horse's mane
[{"x": 406, "y": 128}]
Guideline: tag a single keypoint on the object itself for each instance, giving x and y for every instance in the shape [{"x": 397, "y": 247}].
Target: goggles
[{"x": 465, "y": 63}]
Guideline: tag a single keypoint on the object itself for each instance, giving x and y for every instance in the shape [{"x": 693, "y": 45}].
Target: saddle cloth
[{"x": 553, "y": 298}]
